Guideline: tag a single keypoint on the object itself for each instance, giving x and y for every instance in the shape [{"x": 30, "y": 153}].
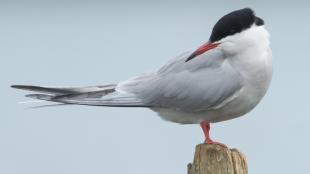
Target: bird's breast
[{"x": 255, "y": 69}]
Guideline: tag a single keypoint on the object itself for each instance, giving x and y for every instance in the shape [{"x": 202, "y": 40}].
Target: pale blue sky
[{"x": 88, "y": 43}]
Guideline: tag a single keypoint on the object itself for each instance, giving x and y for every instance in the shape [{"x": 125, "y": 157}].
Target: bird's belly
[{"x": 179, "y": 116}]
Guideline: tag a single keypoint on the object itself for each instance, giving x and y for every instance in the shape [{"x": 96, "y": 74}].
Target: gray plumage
[{"x": 196, "y": 85}]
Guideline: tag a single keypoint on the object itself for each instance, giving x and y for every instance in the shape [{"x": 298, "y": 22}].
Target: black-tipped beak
[{"x": 193, "y": 55}]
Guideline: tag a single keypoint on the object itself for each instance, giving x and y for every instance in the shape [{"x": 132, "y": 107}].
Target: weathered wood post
[{"x": 215, "y": 159}]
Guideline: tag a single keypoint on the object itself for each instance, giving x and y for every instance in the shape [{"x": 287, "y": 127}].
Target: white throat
[{"x": 256, "y": 37}]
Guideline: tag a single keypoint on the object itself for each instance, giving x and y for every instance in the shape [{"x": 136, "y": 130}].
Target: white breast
[{"x": 250, "y": 54}]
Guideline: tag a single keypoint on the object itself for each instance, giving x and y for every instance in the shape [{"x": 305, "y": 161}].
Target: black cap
[{"x": 234, "y": 22}]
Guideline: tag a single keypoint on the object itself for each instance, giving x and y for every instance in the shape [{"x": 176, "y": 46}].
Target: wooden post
[{"x": 215, "y": 159}]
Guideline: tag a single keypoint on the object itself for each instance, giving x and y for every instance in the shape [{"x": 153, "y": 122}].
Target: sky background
[{"x": 66, "y": 43}]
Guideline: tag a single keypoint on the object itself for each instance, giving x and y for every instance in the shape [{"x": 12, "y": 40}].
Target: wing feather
[{"x": 196, "y": 85}]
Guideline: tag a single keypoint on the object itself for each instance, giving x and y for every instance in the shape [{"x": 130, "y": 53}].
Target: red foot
[
  {"x": 214, "y": 142},
  {"x": 206, "y": 129}
]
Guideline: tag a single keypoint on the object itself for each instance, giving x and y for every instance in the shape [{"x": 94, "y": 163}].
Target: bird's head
[{"x": 231, "y": 30}]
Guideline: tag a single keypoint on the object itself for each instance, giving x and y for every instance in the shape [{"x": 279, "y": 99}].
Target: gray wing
[{"x": 199, "y": 84}]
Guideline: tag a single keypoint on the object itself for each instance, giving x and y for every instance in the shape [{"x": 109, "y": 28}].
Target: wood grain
[{"x": 215, "y": 159}]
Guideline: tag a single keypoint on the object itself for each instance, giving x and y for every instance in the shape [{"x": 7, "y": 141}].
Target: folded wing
[{"x": 201, "y": 84}]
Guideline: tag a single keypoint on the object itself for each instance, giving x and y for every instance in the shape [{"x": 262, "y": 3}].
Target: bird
[{"x": 223, "y": 79}]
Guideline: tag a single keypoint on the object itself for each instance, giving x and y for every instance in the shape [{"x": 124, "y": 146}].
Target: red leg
[{"x": 206, "y": 130}]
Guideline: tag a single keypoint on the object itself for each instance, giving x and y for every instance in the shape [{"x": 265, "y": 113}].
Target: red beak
[{"x": 204, "y": 48}]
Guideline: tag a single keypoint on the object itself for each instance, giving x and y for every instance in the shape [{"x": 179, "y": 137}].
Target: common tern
[{"x": 223, "y": 79}]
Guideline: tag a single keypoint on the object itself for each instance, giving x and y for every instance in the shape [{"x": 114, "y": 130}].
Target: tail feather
[
  {"x": 64, "y": 90},
  {"x": 45, "y": 97},
  {"x": 111, "y": 101},
  {"x": 94, "y": 96}
]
